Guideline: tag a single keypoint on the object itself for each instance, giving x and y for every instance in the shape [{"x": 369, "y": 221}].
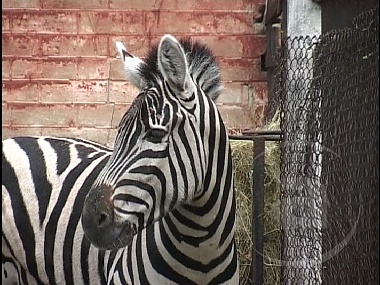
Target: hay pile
[{"x": 242, "y": 154}]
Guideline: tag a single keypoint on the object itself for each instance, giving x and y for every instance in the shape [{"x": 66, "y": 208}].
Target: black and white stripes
[
  {"x": 44, "y": 183},
  {"x": 158, "y": 209}
]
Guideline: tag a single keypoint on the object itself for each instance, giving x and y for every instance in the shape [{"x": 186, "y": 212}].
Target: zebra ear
[
  {"x": 173, "y": 64},
  {"x": 132, "y": 66}
]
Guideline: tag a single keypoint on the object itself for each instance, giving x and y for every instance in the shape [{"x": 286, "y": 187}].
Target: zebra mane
[{"x": 202, "y": 64}]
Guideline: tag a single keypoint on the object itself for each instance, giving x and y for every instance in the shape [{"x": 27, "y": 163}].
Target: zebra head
[{"x": 166, "y": 144}]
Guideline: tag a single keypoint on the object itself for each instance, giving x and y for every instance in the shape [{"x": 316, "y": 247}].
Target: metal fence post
[{"x": 258, "y": 210}]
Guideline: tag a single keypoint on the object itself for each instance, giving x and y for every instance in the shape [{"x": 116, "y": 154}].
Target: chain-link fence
[{"x": 329, "y": 93}]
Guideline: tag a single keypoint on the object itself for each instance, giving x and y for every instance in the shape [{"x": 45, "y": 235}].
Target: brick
[
  {"x": 25, "y": 114},
  {"x": 122, "y": 92},
  {"x": 51, "y": 68},
  {"x": 253, "y": 45},
  {"x": 112, "y": 22},
  {"x": 56, "y": 92},
  {"x": 74, "y": 4},
  {"x": 242, "y": 69},
  {"x": 234, "y": 46},
  {"x": 5, "y": 114},
  {"x": 111, "y": 137},
  {"x": 20, "y": 90},
  {"x": 199, "y": 22},
  {"x": 236, "y": 117},
  {"x": 117, "y": 70},
  {"x": 94, "y": 134},
  {"x": 44, "y": 22},
  {"x": 185, "y": 4},
  {"x": 136, "y": 45},
  {"x": 46, "y": 68},
  {"x": 233, "y": 67},
  {"x": 244, "y": 46},
  {"x": 258, "y": 114},
  {"x": 20, "y": 4},
  {"x": 6, "y": 65},
  {"x": 258, "y": 103},
  {"x": 74, "y": 45},
  {"x": 5, "y": 22},
  {"x": 5, "y": 93},
  {"x": 20, "y": 45},
  {"x": 92, "y": 81},
  {"x": 94, "y": 115},
  {"x": 231, "y": 94},
  {"x": 74, "y": 92},
  {"x": 93, "y": 68},
  {"x": 118, "y": 112},
  {"x": 24, "y": 69},
  {"x": 132, "y": 4},
  {"x": 90, "y": 91},
  {"x": 260, "y": 92},
  {"x": 11, "y": 131},
  {"x": 249, "y": 94}
]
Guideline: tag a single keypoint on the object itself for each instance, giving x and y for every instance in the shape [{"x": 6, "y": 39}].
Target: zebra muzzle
[{"x": 99, "y": 224}]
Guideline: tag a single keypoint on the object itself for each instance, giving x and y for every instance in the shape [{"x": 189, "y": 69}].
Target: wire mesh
[{"x": 329, "y": 93}]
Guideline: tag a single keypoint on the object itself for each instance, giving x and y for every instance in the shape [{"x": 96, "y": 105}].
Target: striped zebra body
[
  {"x": 159, "y": 208},
  {"x": 44, "y": 183}
]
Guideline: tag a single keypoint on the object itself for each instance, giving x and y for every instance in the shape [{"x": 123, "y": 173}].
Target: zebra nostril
[{"x": 103, "y": 219}]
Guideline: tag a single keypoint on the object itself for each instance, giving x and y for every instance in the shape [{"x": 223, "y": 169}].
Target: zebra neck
[
  {"x": 205, "y": 220},
  {"x": 205, "y": 233},
  {"x": 204, "y": 226}
]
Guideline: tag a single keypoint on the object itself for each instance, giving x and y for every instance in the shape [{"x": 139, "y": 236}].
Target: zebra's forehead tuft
[{"x": 202, "y": 63}]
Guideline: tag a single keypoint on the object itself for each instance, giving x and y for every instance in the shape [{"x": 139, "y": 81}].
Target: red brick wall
[{"x": 61, "y": 76}]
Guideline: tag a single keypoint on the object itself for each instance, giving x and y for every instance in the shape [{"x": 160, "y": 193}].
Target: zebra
[
  {"x": 44, "y": 182},
  {"x": 157, "y": 209}
]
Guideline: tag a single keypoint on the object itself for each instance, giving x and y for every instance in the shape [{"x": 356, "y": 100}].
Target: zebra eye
[{"x": 155, "y": 135}]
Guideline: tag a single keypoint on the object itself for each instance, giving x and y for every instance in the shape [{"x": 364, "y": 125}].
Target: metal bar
[
  {"x": 258, "y": 138},
  {"x": 252, "y": 137},
  {"x": 258, "y": 210},
  {"x": 263, "y": 132}
]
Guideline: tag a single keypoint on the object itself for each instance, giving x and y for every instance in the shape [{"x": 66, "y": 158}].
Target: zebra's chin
[
  {"x": 110, "y": 237},
  {"x": 100, "y": 226}
]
